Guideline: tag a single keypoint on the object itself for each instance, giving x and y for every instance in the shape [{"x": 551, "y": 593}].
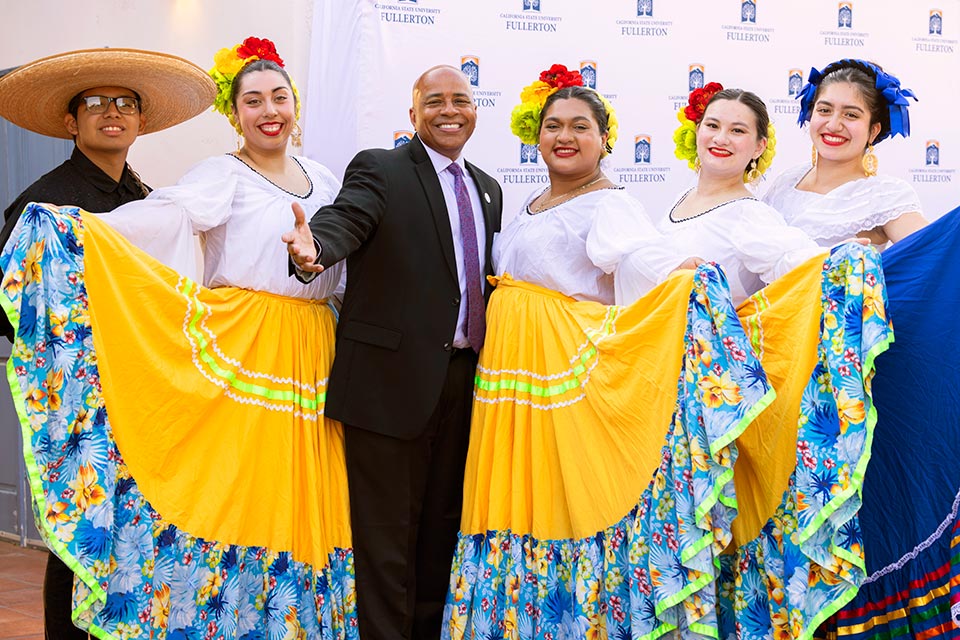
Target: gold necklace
[{"x": 569, "y": 195}]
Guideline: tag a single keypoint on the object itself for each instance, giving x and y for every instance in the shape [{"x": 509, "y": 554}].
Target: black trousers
[
  {"x": 57, "y": 602},
  {"x": 405, "y": 501}
]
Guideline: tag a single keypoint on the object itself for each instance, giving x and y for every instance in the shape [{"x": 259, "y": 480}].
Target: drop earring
[{"x": 869, "y": 162}]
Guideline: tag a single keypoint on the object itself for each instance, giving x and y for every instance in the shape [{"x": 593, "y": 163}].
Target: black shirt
[{"x": 79, "y": 182}]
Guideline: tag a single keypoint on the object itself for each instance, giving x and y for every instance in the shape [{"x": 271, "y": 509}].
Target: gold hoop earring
[
  {"x": 753, "y": 173},
  {"x": 814, "y": 156},
  {"x": 869, "y": 162},
  {"x": 696, "y": 164},
  {"x": 296, "y": 135},
  {"x": 239, "y": 142}
]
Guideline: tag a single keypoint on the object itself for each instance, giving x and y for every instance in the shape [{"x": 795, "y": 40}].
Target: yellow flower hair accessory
[
  {"x": 766, "y": 158},
  {"x": 525, "y": 117},
  {"x": 229, "y": 61},
  {"x": 685, "y": 140},
  {"x": 613, "y": 124}
]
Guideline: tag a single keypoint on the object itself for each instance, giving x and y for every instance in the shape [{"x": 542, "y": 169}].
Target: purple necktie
[{"x": 476, "y": 323}]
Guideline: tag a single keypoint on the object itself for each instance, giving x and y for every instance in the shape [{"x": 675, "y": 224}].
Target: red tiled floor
[{"x": 21, "y": 579}]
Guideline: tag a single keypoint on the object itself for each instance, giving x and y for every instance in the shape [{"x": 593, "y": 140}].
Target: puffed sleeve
[
  {"x": 624, "y": 241},
  {"x": 875, "y": 201},
  {"x": 620, "y": 227},
  {"x": 767, "y": 245},
  {"x": 781, "y": 186},
  {"x": 165, "y": 223}
]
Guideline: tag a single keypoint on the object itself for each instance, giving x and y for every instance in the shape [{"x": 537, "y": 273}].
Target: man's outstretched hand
[{"x": 300, "y": 244}]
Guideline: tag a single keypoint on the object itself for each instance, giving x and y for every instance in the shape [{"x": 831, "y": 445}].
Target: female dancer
[
  {"x": 199, "y": 489},
  {"x": 850, "y": 106}
]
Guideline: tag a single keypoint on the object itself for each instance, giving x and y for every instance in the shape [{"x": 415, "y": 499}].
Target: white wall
[{"x": 191, "y": 29}]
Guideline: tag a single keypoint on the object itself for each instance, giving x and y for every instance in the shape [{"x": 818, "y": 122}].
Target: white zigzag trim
[
  {"x": 575, "y": 358},
  {"x": 314, "y": 415},
  {"x": 583, "y": 383},
  {"x": 899, "y": 564},
  {"x": 194, "y": 357},
  {"x": 530, "y": 403}
]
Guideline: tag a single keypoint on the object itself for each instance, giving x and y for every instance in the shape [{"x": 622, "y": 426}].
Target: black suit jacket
[{"x": 402, "y": 299}]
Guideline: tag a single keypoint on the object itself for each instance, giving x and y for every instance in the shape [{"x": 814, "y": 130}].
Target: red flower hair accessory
[
  {"x": 558, "y": 77},
  {"x": 699, "y": 98},
  {"x": 260, "y": 48}
]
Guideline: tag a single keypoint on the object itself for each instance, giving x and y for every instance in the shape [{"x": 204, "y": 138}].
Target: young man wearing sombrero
[{"x": 103, "y": 99}]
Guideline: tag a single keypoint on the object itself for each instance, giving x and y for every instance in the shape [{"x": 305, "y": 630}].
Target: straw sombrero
[{"x": 35, "y": 96}]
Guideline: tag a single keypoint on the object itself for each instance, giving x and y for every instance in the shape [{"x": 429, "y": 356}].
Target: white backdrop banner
[{"x": 644, "y": 56}]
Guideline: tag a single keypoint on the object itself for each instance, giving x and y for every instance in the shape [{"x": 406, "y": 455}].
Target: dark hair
[
  {"x": 585, "y": 95},
  {"x": 258, "y": 65},
  {"x": 865, "y": 80},
  {"x": 752, "y": 101},
  {"x": 73, "y": 107}
]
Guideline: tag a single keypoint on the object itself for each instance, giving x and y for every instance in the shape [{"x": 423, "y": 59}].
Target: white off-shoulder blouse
[
  {"x": 239, "y": 216},
  {"x": 829, "y": 218},
  {"x": 576, "y": 247},
  {"x": 746, "y": 237}
]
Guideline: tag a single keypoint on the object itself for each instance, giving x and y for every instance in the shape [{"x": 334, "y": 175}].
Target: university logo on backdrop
[
  {"x": 933, "y": 153},
  {"x": 529, "y": 154},
  {"x": 936, "y": 22},
  {"x": 588, "y": 69},
  {"x": 786, "y": 103},
  {"x": 794, "y": 82},
  {"x": 931, "y": 172},
  {"x": 844, "y": 37},
  {"x": 482, "y": 98},
  {"x": 402, "y": 137},
  {"x": 931, "y": 41},
  {"x": 530, "y": 18},
  {"x": 749, "y": 30},
  {"x": 845, "y": 15},
  {"x": 695, "y": 76},
  {"x": 643, "y": 24},
  {"x": 407, "y": 12},
  {"x": 641, "y": 149},
  {"x": 643, "y": 171},
  {"x": 470, "y": 65}
]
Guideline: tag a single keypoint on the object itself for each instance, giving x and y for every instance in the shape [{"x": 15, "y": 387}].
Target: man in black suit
[{"x": 416, "y": 234}]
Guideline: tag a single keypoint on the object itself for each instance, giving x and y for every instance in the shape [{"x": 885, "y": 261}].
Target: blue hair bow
[
  {"x": 806, "y": 95},
  {"x": 888, "y": 86}
]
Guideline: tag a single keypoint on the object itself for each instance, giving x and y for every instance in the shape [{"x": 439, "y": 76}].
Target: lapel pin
[{"x": 486, "y": 196}]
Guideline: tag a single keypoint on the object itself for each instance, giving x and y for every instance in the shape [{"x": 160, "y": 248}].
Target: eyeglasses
[{"x": 126, "y": 105}]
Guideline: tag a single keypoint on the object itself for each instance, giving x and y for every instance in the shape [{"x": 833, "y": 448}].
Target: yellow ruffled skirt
[{"x": 179, "y": 457}]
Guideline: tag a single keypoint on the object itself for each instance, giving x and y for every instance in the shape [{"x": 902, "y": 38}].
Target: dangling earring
[
  {"x": 296, "y": 135},
  {"x": 753, "y": 174},
  {"x": 239, "y": 142},
  {"x": 696, "y": 164},
  {"x": 814, "y": 156},
  {"x": 869, "y": 162}
]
